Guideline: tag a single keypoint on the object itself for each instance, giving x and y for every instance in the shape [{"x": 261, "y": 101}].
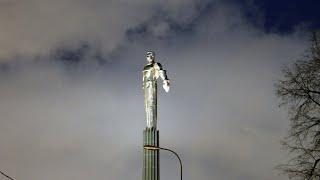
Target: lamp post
[{"x": 153, "y": 148}]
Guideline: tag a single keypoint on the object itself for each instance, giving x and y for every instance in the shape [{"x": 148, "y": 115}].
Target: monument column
[
  {"x": 151, "y": 164},
  {"x": 151, "y": 72}
]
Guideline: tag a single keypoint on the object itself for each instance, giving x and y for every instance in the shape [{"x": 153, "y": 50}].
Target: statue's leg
[
  {"x": 149, "y": 116},
  {"x": 149, "y": 105},
  {"x": 153, "y": 102}
]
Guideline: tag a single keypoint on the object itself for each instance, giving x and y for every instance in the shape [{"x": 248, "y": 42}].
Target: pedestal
[{"x": 151, "y": 157}]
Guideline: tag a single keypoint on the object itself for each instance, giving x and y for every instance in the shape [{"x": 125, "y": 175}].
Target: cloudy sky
[{"x": 71, "y": 102}]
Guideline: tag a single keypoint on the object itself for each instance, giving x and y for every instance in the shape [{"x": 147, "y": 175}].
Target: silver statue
[{"x": 151, "y": 72}]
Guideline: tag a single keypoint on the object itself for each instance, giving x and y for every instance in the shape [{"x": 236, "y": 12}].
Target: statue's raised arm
[{"x": 163, "y": 75}]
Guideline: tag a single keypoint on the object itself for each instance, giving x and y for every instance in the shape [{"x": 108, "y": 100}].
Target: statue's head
[{"x": 150, "y": 56}]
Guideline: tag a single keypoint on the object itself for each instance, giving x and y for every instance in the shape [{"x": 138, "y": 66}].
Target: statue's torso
[
  {"x": 149, "y": 73},
  {"x": 150, "y": 88}
]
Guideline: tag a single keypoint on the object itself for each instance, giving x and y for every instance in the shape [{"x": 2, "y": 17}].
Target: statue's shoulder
[
  {"x": 147, "y": 67},
  {"x": 158, "y": 64}
]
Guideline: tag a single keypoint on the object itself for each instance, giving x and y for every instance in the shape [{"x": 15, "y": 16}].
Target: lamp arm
[{"x": 176, "y": 154}]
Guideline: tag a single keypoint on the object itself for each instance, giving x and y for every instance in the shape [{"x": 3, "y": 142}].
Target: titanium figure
[{"x": 151, "y": 72}]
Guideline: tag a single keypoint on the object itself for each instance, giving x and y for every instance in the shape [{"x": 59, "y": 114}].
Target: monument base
[{"x": 151, "y": 157}]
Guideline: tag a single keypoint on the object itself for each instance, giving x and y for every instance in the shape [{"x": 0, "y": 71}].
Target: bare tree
[{"x": 299, "y": 90}]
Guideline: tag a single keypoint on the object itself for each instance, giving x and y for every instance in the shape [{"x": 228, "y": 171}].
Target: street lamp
[{"x": 153, "y": 148}]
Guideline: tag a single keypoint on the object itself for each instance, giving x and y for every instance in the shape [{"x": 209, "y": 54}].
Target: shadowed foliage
[{"x": 299, "y": 90}]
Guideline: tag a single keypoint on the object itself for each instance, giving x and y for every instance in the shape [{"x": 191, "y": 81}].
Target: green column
[{"x": 151, "y": 157}]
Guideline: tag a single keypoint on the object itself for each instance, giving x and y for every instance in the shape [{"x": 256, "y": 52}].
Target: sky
[{"x": 71, "y": 101}]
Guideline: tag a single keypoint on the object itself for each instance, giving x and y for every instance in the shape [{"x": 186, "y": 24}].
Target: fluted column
[{"x": 151, "y": 157}]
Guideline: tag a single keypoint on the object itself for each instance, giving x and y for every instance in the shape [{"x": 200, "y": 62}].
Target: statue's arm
[
  {"x": 161, "y": 72},
  {"x": 163, "y": 75},
  {"x": 143, "y": 79}
]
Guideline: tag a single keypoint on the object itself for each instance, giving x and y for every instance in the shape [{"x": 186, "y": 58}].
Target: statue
[{"x": 151, "y": 72}]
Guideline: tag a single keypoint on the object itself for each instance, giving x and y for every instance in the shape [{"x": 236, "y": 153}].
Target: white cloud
[{"x": 36, "y": 27}]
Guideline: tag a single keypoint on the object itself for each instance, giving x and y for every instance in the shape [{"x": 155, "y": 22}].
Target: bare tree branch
[{"x": 299, "y": 90}]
